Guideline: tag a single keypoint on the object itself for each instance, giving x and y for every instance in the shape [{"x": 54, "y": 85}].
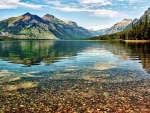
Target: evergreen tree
[{"x": 146, "y": 22}]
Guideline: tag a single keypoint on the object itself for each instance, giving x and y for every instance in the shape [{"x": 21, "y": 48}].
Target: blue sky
[{"x": 95, "y": 14}]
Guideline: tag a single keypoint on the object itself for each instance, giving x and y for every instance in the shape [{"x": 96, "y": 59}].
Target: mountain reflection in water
[
  {"x": 33, "y": 52},
  {"x": 36, "y": 52}
]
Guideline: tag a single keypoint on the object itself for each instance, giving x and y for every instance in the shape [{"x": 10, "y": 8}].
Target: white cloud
[
  {"x": 35, "y": 0},
  {"x": 132, "y": 1},
  {"x": 101, "y": 2},
  {"x": 98, "y": 27},
  {"x": 55, "y": 3},
  {"x": 68, "y": 9},
  {"x": 10, "y": 4},
  {"x": 95, "y": 12},
  {"x": 105, "y": 13},
  {"x": 58, "y": 5}
]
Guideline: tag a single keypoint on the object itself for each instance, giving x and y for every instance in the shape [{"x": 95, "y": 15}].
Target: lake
[{"x": 74, "y": 76}]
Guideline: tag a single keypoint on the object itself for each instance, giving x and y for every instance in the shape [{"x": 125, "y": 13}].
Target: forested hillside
[{"x": 139, "y": 31}]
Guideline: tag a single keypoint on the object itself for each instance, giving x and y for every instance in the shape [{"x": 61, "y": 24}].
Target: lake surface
[
  {"x": 31, "y": 71},
  {"x": 48, "y": 57}
]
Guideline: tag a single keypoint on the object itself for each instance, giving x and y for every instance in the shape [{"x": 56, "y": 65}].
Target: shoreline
[{"x": 136, "y": 41}]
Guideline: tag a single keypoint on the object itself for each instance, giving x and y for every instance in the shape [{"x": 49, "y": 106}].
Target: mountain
[
  {"x": 47, "y": 27},
  {"x": 120, "y": 26},
  {"x": 27, "y": 25},
  {"x": 98, "y": 32},
  {"x": 65, "y": 29}
]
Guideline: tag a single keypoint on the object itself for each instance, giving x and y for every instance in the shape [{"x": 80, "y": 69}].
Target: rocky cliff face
[
  {"x": 120, "y": 26},
  {"x": 47, "y": 27}
]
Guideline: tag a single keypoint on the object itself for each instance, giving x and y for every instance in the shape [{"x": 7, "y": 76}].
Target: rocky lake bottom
[{"x": 100, "y": 93}]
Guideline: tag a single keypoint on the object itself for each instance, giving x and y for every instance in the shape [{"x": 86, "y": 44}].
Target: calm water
[
  {"x": 77, "y": 58},
  {"x": 45, "y": 76}
]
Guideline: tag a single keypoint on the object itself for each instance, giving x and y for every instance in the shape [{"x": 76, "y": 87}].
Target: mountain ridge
[{"x": 47, "y": 27}]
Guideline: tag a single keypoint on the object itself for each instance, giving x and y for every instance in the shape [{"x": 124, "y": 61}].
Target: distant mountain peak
[
  {"x": 49, "y": 15},
  {"x": 97, "y": 32},
  {"x": 51, "y": 18},
  {"x": 91, "y": 29},
  {"x": 27, "y": 14},
  {"x": 124, "y": 22},
  {"x": 125, "y": 19}
]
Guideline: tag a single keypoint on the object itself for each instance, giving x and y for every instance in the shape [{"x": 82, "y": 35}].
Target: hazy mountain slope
[{"x": 120, "y": 26}]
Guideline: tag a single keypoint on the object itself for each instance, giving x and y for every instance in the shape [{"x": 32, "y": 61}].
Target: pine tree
[
  {"x": 132, "y": 26},
  {"x": 146, "y": 22}
]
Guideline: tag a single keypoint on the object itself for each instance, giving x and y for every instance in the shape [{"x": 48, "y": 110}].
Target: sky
[{"x": 96, "y": 14}]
